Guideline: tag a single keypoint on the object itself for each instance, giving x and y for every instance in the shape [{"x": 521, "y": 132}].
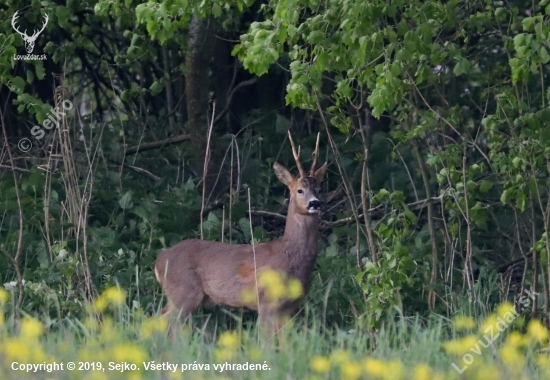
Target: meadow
[{"x": 115, "y": 342}]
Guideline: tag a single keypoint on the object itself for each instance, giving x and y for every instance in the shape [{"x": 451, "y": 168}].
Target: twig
[
  {"x": 254, "y": 252},
  {"x": 142, "y": 171},
  {"x": 15, "y": 259},
  {"x": 205, "y": 168},
  {"x": 237, "y": 87}
]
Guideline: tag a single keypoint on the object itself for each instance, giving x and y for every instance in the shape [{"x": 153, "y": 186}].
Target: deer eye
[{"x": 300, "y": 191}]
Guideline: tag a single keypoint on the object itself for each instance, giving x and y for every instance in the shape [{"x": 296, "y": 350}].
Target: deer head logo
[{"x": 29, "y": 40}]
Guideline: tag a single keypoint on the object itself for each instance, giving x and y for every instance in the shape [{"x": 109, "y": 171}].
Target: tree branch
[{"x": 156, "y": 144}]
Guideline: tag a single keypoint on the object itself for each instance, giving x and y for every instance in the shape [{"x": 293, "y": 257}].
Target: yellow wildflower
[
  {"x": 128, "y": 352},
  {"x": 16, "y": 349},
  {"x": 462, "y": 322},
  {"x": 153, "y": 326},
  {"x": 249, "y": 296},
  {"x": 339, "y": 357},
  {"x": 276, "y": 292},
  {"x": 4, "y": 296},
  {"x": 295, "y": 289},
  {"x": 228, "y": 339},
  {"x": 537, "y": 331},
  {"x": 489, "y": 324},
  {"x": 422, "y": 372},
  {"x": 225, "y": 354},
  {"x": 115, "y": 296},
  {"x": 31, "y": 328},
  {"x": 488, "y": 372},
  {"x": 511, "y": 356},
  {"x": 504, "y": 308},
  {"x": 397, "y": 371},
  {"x": 319, "y": 364},
  {"x": 269, "y": 278},
  {"x": 272, "y": 282},
  {"x": 460, "y": 346},
  {"x": 111, "y": 296},
  {"x": 543, "y": 361},
  {"x": 375, "y": 367},
  {"x": 100, "y": 303},
  {"x": 516, "y": 339},
  {"x": 350, "y": 370}
]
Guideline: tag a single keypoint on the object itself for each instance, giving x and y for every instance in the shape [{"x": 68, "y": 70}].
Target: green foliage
[{"x": 457, "y": 174}]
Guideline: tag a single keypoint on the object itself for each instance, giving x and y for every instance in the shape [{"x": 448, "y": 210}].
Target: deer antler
[
  {"x": 296, "y": 156},
  {"x": 13, "y": 19},
  {"x": 35, "y": 34},
  {"x": 315, "y": 155}
]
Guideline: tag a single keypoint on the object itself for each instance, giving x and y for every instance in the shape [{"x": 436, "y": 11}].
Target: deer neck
[{"x": 300, "y": 238}]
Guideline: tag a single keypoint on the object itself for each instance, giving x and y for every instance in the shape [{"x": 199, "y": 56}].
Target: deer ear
[
  {"x": 320, "y": 173},
  {"x": 284, "y": 175}
]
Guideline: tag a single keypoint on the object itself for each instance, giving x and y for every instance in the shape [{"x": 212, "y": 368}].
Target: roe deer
[{"x": 196, "y": 272}]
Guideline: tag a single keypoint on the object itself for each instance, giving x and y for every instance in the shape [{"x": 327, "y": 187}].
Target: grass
[{"x": 113, "y": 340}]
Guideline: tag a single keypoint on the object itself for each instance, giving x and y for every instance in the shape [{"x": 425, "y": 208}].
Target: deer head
[
  {"x": 29, "y": 40},
  {"x": 303, "y": 189}
]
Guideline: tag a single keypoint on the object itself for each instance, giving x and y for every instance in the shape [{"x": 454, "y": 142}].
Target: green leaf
[
  {"x": 543, "y": 54},
  {"x": 506, "y": 196},
  {"x": 315, "y": 37},
  {"x": 18, "y": 83},
  {"x": 462, "y": 66},
  {"x": 156, "y": 87},
  {"x": 126, "y": 201},
  {"x": 528, "y": 23},
  {"x": 485, "y": 186},
  {"x": 40, "y": 71},
  {"x": 216, "y": 10}
]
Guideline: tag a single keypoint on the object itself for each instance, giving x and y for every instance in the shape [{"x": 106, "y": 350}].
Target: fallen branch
[
  {"x": 156, "y": 144},
  {"x": 142, "y": 171},
  {"x": 15, "y": 168}
]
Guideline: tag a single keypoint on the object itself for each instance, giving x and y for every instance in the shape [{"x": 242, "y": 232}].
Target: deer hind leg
[{"x": 184, "y": 296}]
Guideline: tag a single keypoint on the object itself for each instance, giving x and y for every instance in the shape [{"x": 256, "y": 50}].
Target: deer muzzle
[{"x": 314, "y": 206}]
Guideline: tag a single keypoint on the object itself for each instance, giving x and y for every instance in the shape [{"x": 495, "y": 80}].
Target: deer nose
[{"x": 314, "y": 206}]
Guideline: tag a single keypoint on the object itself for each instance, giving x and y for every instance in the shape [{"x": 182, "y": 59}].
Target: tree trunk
[{"x": 197, "y": 86}]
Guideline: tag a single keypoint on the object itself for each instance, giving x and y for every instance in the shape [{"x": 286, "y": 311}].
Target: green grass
[{"x": 402, "y": 348}]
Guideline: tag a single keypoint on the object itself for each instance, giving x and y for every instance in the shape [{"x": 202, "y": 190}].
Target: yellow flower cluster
[
  {"x": 228, "y": 346},
  {"x": 153, "y": 326},
  {"x": 371, "y": 367},
  {"x": 276, "y": 286},
  {"x": 462, "y": 322},
  {"x": 111, "y": 296},
  {"x": 514, "y": 354},
  {"x": 25, "y": 347},
  {"x": 4, "y": 296},
  {"x": 498, "y": 329}
]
